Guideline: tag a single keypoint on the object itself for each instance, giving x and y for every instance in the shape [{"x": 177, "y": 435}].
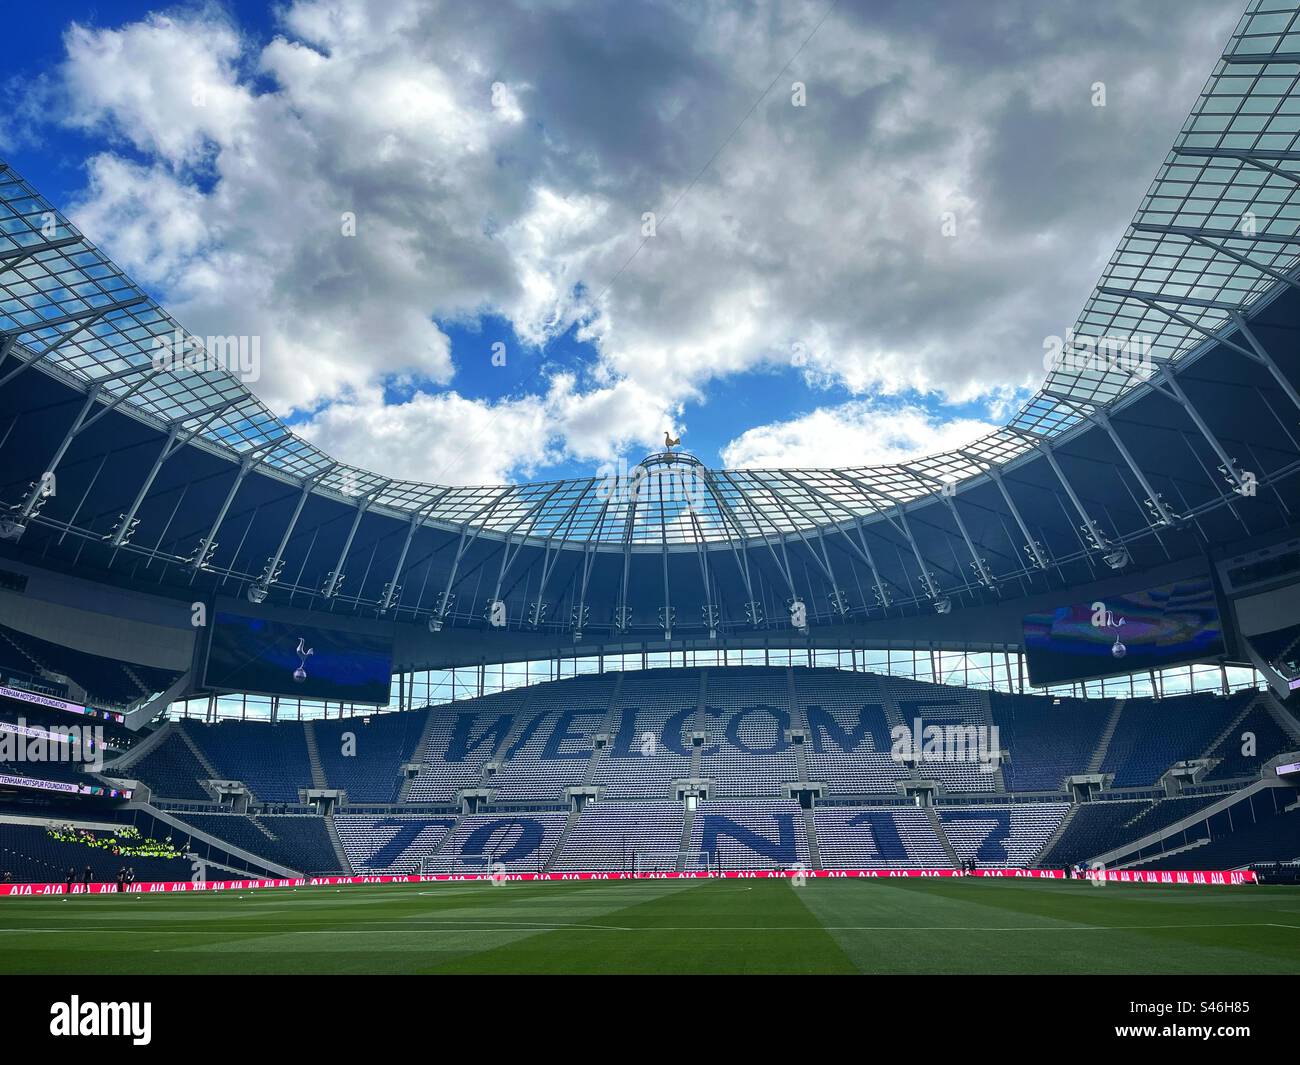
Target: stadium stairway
[
  {"x": 1184, "y": 849},
  {"x": 262, "y": 828},
  {"x": 23, "y": 654},
  {"x": 609, "y": 727},
  {"x": 792, "y": 700},
  {"x": 701, "y": 700},
  {"x": 313, "y": 756},
  {"x": 598, "y": 755},
  {"x": 1231, "y": 727},
  {"x": 345, "y": 863},
  {"x": 1094, "y": 827},
  {"x": 1055, "y": 836},
  {"x": 1285, "y": 721},
  {"x": 798, "y": 720},
  {"x": 199, "y": 756},
  {"x": 156, "y": 764},
  {"x": 302, "y": 840},
  {"x": 498, "y": 758},
  {"x": 933, "y": 816},
  {"x": 688, "y": 823},
  {"x": 801, "y": 760},
  {"x": 141, "y": 748},
  {"x": 420, "y": 755},
  {"x": 570, "y": 823},
  {"x": 998, "y": 781},
  {"x": 136, "y": 680},
  {"x": 884, "y": 696},
  {"x": 615, "y": 701},
  {"x": 810, "y": 830},
  {"x": 1107, "y": 734}
]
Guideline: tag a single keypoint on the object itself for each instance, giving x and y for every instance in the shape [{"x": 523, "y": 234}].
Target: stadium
[{"x": 963, "y": 712}]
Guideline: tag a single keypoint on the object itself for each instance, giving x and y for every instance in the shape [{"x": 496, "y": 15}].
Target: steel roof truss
[
  {"x": 1262, "y": 356},
  {"x": 335, "y": 577}
]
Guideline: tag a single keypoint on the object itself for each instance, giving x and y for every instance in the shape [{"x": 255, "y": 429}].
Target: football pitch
[{"x": 664, "y": 926}]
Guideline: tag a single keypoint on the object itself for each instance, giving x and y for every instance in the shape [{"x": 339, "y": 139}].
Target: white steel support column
[
  {"x": 1227, "y": 465},
  {"x": 881, "y": 592},
  {"x": 1098, "y": 538},
  {"x": 39, "y": 489},
  {"x": 392, "y": 588},
  {"x": 258, "y": 591},
  {"x": 122, "y": 532},
  {"x": 1034, "y": 548},
  {"x": 931, "y": 588},
  {"x": 209, "y": 541},
  {"x": 444, "y": 601},
  {"x": 336, "y": 574},
  {"x": 976, "y": 561},
  {"x": 1154, "y": 500},
  {"x": 1263, "y": 358}
]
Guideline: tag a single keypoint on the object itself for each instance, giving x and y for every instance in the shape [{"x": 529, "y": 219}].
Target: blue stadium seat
[
  {"x": 271, "y": 760},
  {"x": 170, "y": 770},
  {"x": 1154, "y": 734},
  {"x": 368, "y": 765}
]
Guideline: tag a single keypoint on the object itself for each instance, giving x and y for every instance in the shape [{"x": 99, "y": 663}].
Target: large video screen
[
  {"x": 271, "y": 657},
  {"x": 1151, "y": 629}
]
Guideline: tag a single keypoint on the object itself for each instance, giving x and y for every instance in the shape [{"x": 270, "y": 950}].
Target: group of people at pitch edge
[{"x": 125, "y": 875}]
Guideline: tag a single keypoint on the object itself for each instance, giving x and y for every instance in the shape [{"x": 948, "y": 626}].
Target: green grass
[{"x": 665, "y": 926}]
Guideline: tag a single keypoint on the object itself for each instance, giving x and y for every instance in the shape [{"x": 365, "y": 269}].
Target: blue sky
[
  {"x": 802, "y": 300},
  {"x": 55, "y": 162}
]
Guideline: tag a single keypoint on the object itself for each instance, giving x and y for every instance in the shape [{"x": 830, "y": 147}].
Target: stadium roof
[{"x": 1212, "y": 248}]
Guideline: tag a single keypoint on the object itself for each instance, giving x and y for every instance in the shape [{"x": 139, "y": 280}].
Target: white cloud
[
  {"x": 448, "y": 437},
  {"x": 859, "y": 433},
  {"x": 427, "y": 436},
  {"x": 159, "y": 224},
  {"x": 168, "y": 86}
]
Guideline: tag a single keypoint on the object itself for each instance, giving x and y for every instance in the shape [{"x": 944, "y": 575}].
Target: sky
[{"x": 486, "y": 243}]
